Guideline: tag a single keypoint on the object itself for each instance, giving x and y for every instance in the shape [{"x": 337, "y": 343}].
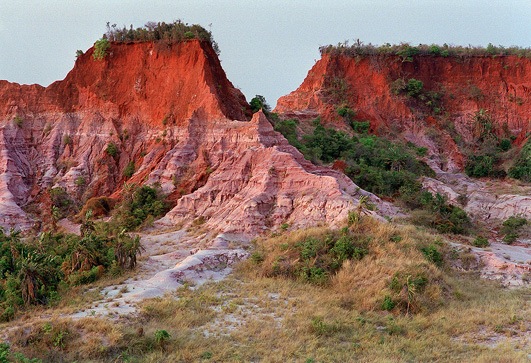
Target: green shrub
[
  {"x": 100, "y": 48},
  {"x": 67, "y": 139},
  {"x": 432, "y": 254},
  {"x": 361, "y": 127},
  {"x": 435, "y": 212},
  {"x": 346, "y": 112},
  {"x": 522, "y": 166},
  {"x": 259, "y": 103},
  {"x": 321, "y": 328},
  {"x": 513, "y": 223},
  {"x": 435, "y": 50},
  {"x": 161, "y": 336},
  {"x": 80, "y": 181},
  {"x": 4, "y": 352},
  {"x": 112, "y": 149},
  {"x": 480, "y": 242},
  {"x": 18, "y": 121},
  {"x": 288, "y": 128},
  {"x": 316, "y": 258},
  {"x": 407, "y": 52},
  {"x": 505, "y": 144},
  {"x": 326, "y": 144},
  {"x": 129, "y": 169},
  {"x": 511, "y": 227},
  {"x": 510, "y": 237},
  {"x": 388, "y": 304},
  {"x": 140, "y": 203},
  {"x": 414, "y": 87}
]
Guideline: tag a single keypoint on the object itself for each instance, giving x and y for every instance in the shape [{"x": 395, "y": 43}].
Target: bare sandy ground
[{"x": 170, "y": 260}]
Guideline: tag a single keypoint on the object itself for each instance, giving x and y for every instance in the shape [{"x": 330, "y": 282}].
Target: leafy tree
[{"x": 259, "y": 103}]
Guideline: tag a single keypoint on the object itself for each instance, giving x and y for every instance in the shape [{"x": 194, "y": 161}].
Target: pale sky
[{"x": 267, "y": 47}]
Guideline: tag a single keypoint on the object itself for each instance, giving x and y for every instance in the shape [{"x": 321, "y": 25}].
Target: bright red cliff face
[
  {"x": 151, "y": 81},
  {"x": 152, "y": 113},
  {"x": 463, "y": 85},
  {"x": 501, "y": 85}
]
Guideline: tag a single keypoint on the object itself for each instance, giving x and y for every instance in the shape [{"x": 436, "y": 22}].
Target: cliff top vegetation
[
  {"x": 174, "y": 32},
  {"x": 407, "y": 51}
]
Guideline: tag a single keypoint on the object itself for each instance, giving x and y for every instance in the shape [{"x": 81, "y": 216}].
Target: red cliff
[
  {"x": 454, "y": 89},
  {"x": 169, "y": 111}
]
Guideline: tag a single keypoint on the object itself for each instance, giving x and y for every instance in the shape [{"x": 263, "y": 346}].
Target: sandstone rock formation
[
  {"x": 170, "y": 111},
  {"x": 258, "y": 181},
  {"x": 499, "y": 85}
]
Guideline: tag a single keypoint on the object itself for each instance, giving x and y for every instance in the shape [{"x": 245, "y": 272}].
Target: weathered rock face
[
  {"x": 492, "y": 201},
  {"x": 259, "y": 181},
  {"x": 171, "y": 112},
  {"x": 464, "y": 85}
]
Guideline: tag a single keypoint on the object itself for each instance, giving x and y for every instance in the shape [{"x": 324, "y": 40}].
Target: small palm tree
[
  {"x": 355, "y": 215},
  {"x": 126, "y": 250},
  {"x": 88, "y": 226},
  {"x": 34, "y": 274}
]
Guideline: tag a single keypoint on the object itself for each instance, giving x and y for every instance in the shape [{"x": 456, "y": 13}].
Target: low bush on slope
[{"x": 522, "y": 166}]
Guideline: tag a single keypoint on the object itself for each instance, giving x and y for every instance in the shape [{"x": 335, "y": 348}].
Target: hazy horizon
[{"x": 267, "y": 48}]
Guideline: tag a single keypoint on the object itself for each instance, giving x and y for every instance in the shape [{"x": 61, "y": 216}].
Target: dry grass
[{"x": 249, "y": 317}]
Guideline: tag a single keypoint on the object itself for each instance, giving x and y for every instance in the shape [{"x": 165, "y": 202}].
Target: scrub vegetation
[
  {"x": 39, "y": 270},
  {"x": 173, "y": 32},
  {"x": 397, "y": 299},
  {"x": 385, "y": 168}
]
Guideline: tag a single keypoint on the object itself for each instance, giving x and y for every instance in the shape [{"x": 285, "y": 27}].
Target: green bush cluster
[
  {"x": 288, "y": 128},
  {"x": 139, "y": 205},
  {"x": 414, "y": 89},
  {"x": 100, "y": 48},
  {"x": 316, "y": 259},
  {"x": 33, "y": 272},
  {"x": 522, "y": 166},
  {"x": 434, "y": 211},
  {"x": 112, "y": 149},
  {"x": 62, "y": 203},
  {"x": 382, "y": 167},
  {"x": 432, "y": 254},
  {"x": 510, "y": 228},
  {"x": 129, "y": 169},
  {"x": 408, "y": 52},
  {"x": 480, "y": 241},
  {"x": 483, "y": 161},
  {"x": 259, "y": 103}
]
